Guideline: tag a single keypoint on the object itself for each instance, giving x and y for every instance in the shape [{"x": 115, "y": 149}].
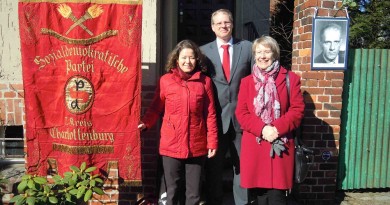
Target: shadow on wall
[
  {"x": 320, "y": 183},
  {"x": 340, "y": 195}
]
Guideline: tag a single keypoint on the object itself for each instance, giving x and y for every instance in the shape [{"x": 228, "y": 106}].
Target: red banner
[{"x": 81, "y": 74}]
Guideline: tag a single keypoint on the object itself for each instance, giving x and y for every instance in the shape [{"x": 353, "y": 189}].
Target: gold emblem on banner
[
  {"x": 92, "y": 12},
  {"x": 79, "y": 94}
]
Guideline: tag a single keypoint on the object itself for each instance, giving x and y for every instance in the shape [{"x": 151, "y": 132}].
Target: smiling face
[
  {"x": 222, "y": 26},
  {"x": 187, "y": 60},
  {"x": 263, "y": 56}
]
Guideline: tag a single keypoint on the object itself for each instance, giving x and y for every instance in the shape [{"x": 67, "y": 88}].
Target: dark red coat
[
  {"x": 189, "y": 126},
  {"x": 258, "y": 169}
]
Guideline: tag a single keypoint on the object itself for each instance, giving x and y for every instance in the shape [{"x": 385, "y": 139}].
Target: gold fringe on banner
[
  {"x": 98, "y": 149},
  {"x": 53, "y": 168},
  {"x": 112, "y": 165},
  {"x": 87, "y": 41},
  {"x": 131, "y": 183}
]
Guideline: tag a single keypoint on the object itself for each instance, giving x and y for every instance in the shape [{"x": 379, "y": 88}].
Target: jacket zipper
[{"x": 189, "y": 116}]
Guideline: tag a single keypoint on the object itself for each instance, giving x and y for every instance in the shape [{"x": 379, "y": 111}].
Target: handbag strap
[
  {"x": 288, "y": 87},
  {"x": 297, "y": 132}
]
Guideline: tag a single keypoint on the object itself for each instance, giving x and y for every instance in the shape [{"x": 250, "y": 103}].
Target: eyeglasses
[{"x": 220, "y": 24}]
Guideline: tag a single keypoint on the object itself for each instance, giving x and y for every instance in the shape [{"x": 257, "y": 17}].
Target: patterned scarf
[{"x": 266, "y": 102}]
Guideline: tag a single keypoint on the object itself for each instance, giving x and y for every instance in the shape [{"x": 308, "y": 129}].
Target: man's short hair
[
  {"x": 224, "y": 11},
  {"x": 332, "y": 26}
]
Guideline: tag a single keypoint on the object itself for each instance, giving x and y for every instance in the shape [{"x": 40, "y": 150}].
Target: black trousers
[
  {"x": 270, "y": 196},
  {"x": 177, "y": 170},
  {"x": 230, "y": 141}
]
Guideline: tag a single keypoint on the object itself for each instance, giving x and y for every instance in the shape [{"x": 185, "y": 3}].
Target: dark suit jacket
[
  {"x": 226, "y": 92},
  {"x": 320, "y": 58}
]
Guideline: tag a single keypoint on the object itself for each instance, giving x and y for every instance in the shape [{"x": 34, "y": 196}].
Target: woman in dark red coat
[
  {"x": 189, "y": 126},
  {"x": 267, "y": 115}
]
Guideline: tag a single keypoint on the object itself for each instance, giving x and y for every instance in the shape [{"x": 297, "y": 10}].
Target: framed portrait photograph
[{"x": 329, "y": 43}]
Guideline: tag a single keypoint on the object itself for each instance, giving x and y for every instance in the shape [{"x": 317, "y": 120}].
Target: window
[{"x": 11, "y": 144}]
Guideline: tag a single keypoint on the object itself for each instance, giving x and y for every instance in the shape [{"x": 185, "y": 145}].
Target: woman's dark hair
[{"x": 174, "y": 56}]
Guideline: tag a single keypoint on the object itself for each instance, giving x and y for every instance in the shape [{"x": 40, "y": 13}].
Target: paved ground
[
  {"x": 348, "y": 198},
  {"x": 366, "y": 198},
  {"x": 359, "y": 197}
]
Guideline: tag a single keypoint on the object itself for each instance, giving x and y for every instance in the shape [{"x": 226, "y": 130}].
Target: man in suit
[
  {"x": 229, "y": 60},
  {"x": 330, "y": 42}
]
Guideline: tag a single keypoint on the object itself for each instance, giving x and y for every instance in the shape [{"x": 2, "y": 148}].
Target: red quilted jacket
[{"x": 189, "y": 126}]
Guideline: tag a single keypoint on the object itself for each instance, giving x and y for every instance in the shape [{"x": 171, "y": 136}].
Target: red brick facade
[
  {"x": 11, "y": 104},
  {"x": 150, "y": 141},
  {"x": 323, "y": 98}
]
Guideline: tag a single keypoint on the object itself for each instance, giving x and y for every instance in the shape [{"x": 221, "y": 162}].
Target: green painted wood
[
  {"x": 372, "y": 126},
  {"x": 379, "y": 120},
  {"x": 345, "y": 126},
  {"x": 364, "y": 158},
  {"x": 386, "y": 131},
  {"x": 384, "y": 113},
  {"x": 364, "y": 89},
  {"x": 366, "y": 116}
]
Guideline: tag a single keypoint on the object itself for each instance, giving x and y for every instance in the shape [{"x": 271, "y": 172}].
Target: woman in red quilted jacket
[
  {"x": 267, "y": 115},
  {"x": 189, "y": 131}
]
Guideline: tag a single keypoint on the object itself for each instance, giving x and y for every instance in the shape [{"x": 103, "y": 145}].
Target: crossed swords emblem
[{"x": 92, "y": 12}]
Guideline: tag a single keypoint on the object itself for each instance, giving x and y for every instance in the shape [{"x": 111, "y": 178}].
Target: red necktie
[{"x": 226, "y": 62}]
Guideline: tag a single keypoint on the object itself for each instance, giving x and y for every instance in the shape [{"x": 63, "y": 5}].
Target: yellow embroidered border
[
  {"x": 87, "y": 41},
  {"x": 131, "y": 183},
  {"x": 98, "y": 149}
]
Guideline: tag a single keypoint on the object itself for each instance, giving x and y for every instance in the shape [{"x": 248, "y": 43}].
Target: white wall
[
  {"x": 150, "y": 42},
  {"x": 10, "y": 58}
]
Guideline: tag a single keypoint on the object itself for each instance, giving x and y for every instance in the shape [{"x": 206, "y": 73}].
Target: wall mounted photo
[{"x": 329, "y": 43}]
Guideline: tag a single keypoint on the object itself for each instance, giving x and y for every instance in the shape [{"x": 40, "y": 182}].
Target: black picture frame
[{"x": 329, "y": 43}]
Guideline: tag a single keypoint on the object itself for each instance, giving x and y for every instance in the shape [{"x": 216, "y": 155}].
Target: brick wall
[
  {"x": 323, "y": 98},
  {"x": 150, "y": 140},
  {"x": 11, "y": 104}
]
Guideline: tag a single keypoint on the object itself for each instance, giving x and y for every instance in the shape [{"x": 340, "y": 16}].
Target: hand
[
  {"x": 275, "y": 134},
  {"x": 270, "y": 133},
  {"x": 267, "y": 131},
  {"x": 211, "y": 153},
  {"x": 141, "y": 126}
]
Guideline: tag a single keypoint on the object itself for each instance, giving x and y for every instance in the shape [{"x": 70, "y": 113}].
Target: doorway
[{"x": 194, "y": 19}]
